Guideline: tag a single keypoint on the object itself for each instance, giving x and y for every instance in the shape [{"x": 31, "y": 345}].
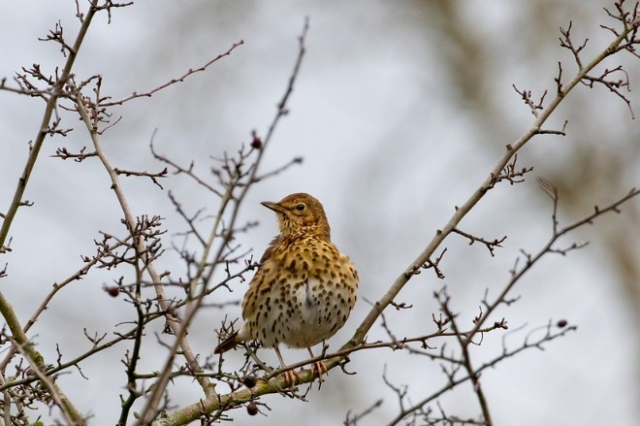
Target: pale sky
[{"x": 390, "y": 144}]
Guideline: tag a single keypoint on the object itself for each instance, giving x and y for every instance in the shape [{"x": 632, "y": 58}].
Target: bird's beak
[{"x": 274, "y": 206}]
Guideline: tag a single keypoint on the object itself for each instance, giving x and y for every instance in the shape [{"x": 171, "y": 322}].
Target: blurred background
[{"x": 400, "y": 112}]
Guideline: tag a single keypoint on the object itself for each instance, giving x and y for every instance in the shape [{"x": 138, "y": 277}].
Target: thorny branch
[
  {"x": 56, "y": 90},
  {"x": 274, "y": 382},
  {"x": 140, "y": 245},
  {"x": 626, "y": 39},
  {"x": 467, "y": 339},
  {"x": 464, "y": 341},
  {"x": 228, "y": 197},
  {"x": 92, "y": 113},
  {"x": 491, "y": 245},
  {"x": 103, "y": 101},
  {"x": 236, "y": 176},
  {"x": 607, "y": 77},
  {"x": 48, "y": 126},
  {"x": 417, "y": 409}
]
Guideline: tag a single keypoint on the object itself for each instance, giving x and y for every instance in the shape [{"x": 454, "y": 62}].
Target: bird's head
[{"x": 300, "y": 213}]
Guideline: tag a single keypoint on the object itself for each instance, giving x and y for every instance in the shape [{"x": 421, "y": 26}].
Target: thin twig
[{"x": 173, "y": 81}]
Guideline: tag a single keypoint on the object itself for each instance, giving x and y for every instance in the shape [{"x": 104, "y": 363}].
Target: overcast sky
[{"x": 400, "y": 111}]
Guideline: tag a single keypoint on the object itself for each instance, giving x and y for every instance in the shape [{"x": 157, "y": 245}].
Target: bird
[{"x": 304, "y": 288}]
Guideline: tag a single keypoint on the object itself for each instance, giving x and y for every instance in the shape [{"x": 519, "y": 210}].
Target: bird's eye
[{"x": 300, "y": 207}]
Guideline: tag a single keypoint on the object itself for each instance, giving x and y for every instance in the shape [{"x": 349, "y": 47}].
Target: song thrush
[{"x": 304, "y": 288}]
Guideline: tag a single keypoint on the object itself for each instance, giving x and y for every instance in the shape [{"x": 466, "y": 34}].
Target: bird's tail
[{"x": 228, "y": 343}]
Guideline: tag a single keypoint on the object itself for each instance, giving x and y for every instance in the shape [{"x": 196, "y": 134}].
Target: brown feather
[{"x": 228, "y": 343}]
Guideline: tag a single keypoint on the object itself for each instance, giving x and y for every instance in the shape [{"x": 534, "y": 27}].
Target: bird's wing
[
  {"x": 263, "y": 278},
  {"x": 277, "y": 240}
]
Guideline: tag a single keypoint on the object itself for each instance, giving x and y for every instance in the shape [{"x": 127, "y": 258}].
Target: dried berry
[
  {"x": 252, "y": 408},
  {"x": 256, "y": 142},
  {"x": 113, "y": 291},
  {"x": 249, "y": 381}
]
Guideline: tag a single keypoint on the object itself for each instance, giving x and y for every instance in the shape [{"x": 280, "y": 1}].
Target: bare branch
[{"x": 173, "y": 81}]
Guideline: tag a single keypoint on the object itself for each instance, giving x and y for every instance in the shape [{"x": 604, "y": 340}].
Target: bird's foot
[
  {"x": 291, "y": 377},
  {"x": 319, "y": 368}
]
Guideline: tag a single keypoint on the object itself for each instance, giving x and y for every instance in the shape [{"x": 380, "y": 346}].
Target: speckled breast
[{"x": 309, "y": 298}]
